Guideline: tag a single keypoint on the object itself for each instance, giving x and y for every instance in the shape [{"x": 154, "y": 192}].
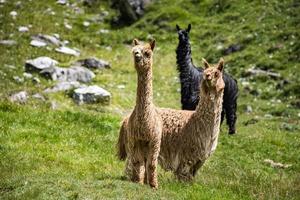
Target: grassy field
[{"x": 69, "y": 152}]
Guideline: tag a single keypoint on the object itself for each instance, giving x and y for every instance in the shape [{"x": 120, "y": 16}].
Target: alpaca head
[
  {"x": 143, "y": 54},
  {"x": 183, "y": 34},
  {"x": 213, "y": 77}
]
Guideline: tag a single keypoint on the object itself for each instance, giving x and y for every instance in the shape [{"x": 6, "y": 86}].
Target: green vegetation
[{"x": 69, "y": 153}]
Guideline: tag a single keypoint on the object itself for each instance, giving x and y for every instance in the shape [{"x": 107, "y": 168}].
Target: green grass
[{"x": 69, "y": 153}]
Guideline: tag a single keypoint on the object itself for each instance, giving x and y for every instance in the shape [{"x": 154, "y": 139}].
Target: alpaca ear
[
  {"x": 221, "y": 64},
  {"x": 220, "y": 85},
  {"x": 152, "y": 44},
  {"x": 135, "y": 42},
  {"x": 177, "y": 28},
  {"x": 206, "y": 65},
  {"x": 189, "y": 28}
]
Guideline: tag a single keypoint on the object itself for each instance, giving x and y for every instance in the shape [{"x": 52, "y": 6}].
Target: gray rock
[
  {"x": 8, "y": 42},
  {"x": 63, "y": 86},
  {"x": 91, "y": 94},
  {"x": 93, "y": 63},
  {"x": 62, "y": 2},
  {"x": 48, "y": 39},
  {"x": 131, "y": 10},
  {"x": 18, "y": 79},
  {"x": 20, "y": 97},
  {"x": 249, "y": 109},
  {"x": 68, "y": 51},
  {"x": 38, "y": 43},
  {"x": 27, "y": 75},
  {"x": 39, "y": 96},
  {"x": 76, "y": 73},
  {"x": 23, "y": 29},
  {"x": 40, "y": 63},
  {"x": 260, "y": 72}
]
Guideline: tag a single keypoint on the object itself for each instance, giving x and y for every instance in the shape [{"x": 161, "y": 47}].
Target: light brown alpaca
[
  {"x": 142, "y": 130},
  {"x": 190, "y": 137}
]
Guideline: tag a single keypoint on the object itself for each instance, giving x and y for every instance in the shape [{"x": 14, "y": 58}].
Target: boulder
[
  {"x": 38, "y": 43},
  {"x": 63, "y": 86},
  {"x": 8, "y": 42},
  {"x": 93, "y": 63},
  {"x": 68, "y": 51},
  {"x": 130, "y": 10},
  {"x": 76, "y": 73},
  {"x": 20, "y": 97},
  {"x": 40, "y": 63},
  {"x": 48, "y": 39},
  {"x": 91, "y": 94}
]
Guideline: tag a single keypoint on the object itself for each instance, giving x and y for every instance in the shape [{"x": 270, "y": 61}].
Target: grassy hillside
[{"x": 69, "y": 152}]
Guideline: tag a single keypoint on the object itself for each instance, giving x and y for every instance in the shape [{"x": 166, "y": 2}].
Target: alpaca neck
[
  {"x": 144, "y": 92},
  {"x": 184, "y": 56},
  {"x": 207, "y": 119}
]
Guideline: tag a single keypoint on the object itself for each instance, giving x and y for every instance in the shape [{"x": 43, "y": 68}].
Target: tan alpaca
[
  {"x": 190, "y": 137},
  {"x": 142, "y": 130}
]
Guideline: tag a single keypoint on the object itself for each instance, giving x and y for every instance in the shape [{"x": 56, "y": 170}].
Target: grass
[{"x": 69, "y": 153}]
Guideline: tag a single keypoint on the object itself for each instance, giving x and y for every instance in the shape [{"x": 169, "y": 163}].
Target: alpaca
[
  {"x": 190, "y": 137},
  {"x": 190, "y": 77},
  {"x": 142, "y": 130}
]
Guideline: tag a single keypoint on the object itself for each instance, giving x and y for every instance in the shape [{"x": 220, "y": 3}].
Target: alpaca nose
[{"x": 208, "y": 77}]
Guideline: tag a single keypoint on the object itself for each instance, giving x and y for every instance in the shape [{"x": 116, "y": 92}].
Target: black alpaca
[{"x": 190, "y": 77}]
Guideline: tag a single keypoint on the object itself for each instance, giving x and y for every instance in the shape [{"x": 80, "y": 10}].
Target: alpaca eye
[
  {"x": 147, "y": 54},
  {"x": 216, "y": 74}
]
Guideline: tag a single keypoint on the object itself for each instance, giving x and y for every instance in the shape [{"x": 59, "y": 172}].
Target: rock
[
  {"x": 39, "y": 96},
  {"x": 130, "y": 10},
  {"x": 260, "y": 72},
  {"x": 86, "y": 23},
  {"x": 68, "y": 51},
  {"x": 13, "y": 14},
  {"x": 18, "y": 79},
  {"x": 37, "y": 43},
  {"x": 76, "y": 73},
  {"x": 249, "y": 109},
  {"x": 23, "y": 29},
  {"x": 103, "y": 31},
  {"x": 20, "y": 97},
  {"x": 68, "y": 26},
  {"x": 8, "y": 42},
  {"x": 62, "y": 2},
  {"x": 27, "y": 75},
  {"x": 93, "y": 63},
  {"x": 54, "y": 105},
  {"x": 232, "y": 48},
  {"x": 276, "y": 164},
  {"x": 40, "y": 63},
  {"x": 63, "y": 86},
  {"x": 48, "y": 39},
  {"x": 121, "y": 86},
  {"x": 91, "y": 94}
]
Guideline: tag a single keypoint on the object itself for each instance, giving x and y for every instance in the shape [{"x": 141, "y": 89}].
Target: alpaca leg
[
  {"x": 222, "y": 115},
  {"x": 231, "y": 117},
  {"x": 138, "y": 165},
  {"x": 151, "y": 165}
]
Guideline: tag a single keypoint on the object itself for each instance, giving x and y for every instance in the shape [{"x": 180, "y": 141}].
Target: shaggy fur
[
  {"x": 142, "y": 130},
  {"x": 190, "y": 77},
  {"x": 190, "y": 137}
]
